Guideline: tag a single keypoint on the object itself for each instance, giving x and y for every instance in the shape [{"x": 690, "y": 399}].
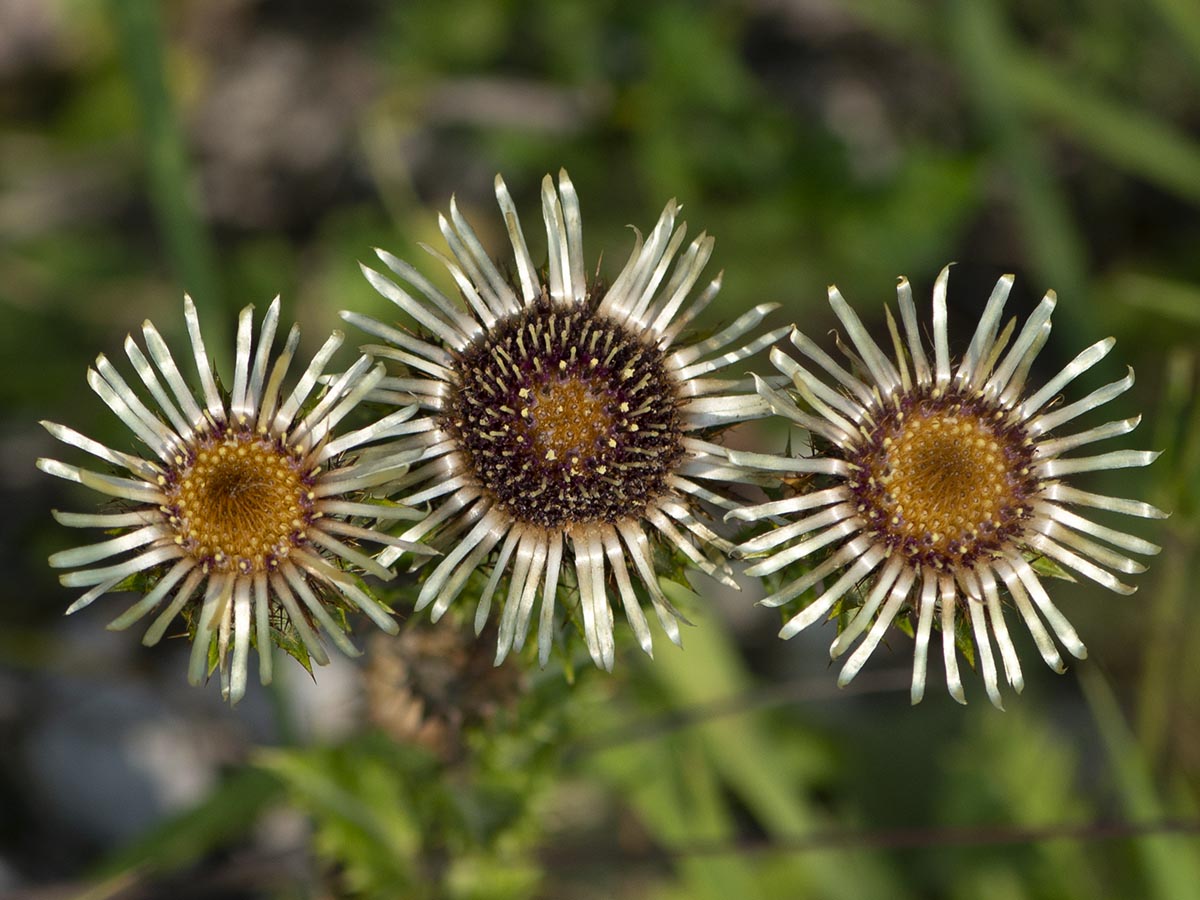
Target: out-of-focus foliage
[{"x": 242, "y": 148}]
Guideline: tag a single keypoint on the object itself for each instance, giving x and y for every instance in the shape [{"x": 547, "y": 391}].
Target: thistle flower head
[
  {"x": 945, "y": 484},
  {"x": 565, "y": 424},
  {"x": 242, "y": 515}
]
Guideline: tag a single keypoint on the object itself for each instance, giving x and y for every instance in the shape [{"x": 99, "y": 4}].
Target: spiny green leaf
[
  {"x": 1049, "y": 568},
  {"x": 289, "y": 642}
]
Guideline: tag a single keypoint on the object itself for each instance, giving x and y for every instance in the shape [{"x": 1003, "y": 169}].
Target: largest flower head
[
  {"x": 945, "y": 483},
  {"x": 246, "y": 513},
  {"x": 566, "y": 423}
]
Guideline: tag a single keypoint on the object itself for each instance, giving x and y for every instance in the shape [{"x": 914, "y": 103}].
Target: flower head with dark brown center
[
  {"x": 567, "y": 425},
  {"x": 945, "y": 485},
  {"x": 575, "y": 402},
  {"x": 244, "y": 515}
]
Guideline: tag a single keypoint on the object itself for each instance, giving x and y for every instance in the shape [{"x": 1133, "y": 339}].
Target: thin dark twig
[
  {"x": 957, "y": 836},
  {"x": 882, "y": 839},
  {"x": 806, "y": 690}
]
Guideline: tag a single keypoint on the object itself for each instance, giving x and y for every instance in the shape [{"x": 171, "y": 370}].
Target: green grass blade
[
  {"x": 676, "y": 794},
  {"x": 765, "y": 772},
  {"x": 140, "y": 36},
  {"x": 1183, "y": 17},
  {"x": 1170, "y": 298},
  {"x": 986, "y": 57},
  {"x": 1128, "y": 137},
  {"x": 1170, "y": 864}
]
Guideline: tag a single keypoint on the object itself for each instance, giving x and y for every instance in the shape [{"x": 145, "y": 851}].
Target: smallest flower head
[
  {"x": 241, "y": 516},
  {"x": 945, "y": 484}
]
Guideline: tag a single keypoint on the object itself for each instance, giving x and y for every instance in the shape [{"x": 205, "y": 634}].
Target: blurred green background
[{"x": 238, "y": 149}]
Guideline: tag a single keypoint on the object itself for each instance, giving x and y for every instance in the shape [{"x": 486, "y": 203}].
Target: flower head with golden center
[
  {"x": 239, "y": 513},
  {"x": 565, "y": 425},
  {"x": 943, "y": 485}
]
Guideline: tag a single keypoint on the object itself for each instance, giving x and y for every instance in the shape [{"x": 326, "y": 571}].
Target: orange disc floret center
[
  {"x": 945, "y": 479},
  {"x": 241, "y": 502},
  {"x": 568, "y": 419},
  {"x": 948, "y": 478}
]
